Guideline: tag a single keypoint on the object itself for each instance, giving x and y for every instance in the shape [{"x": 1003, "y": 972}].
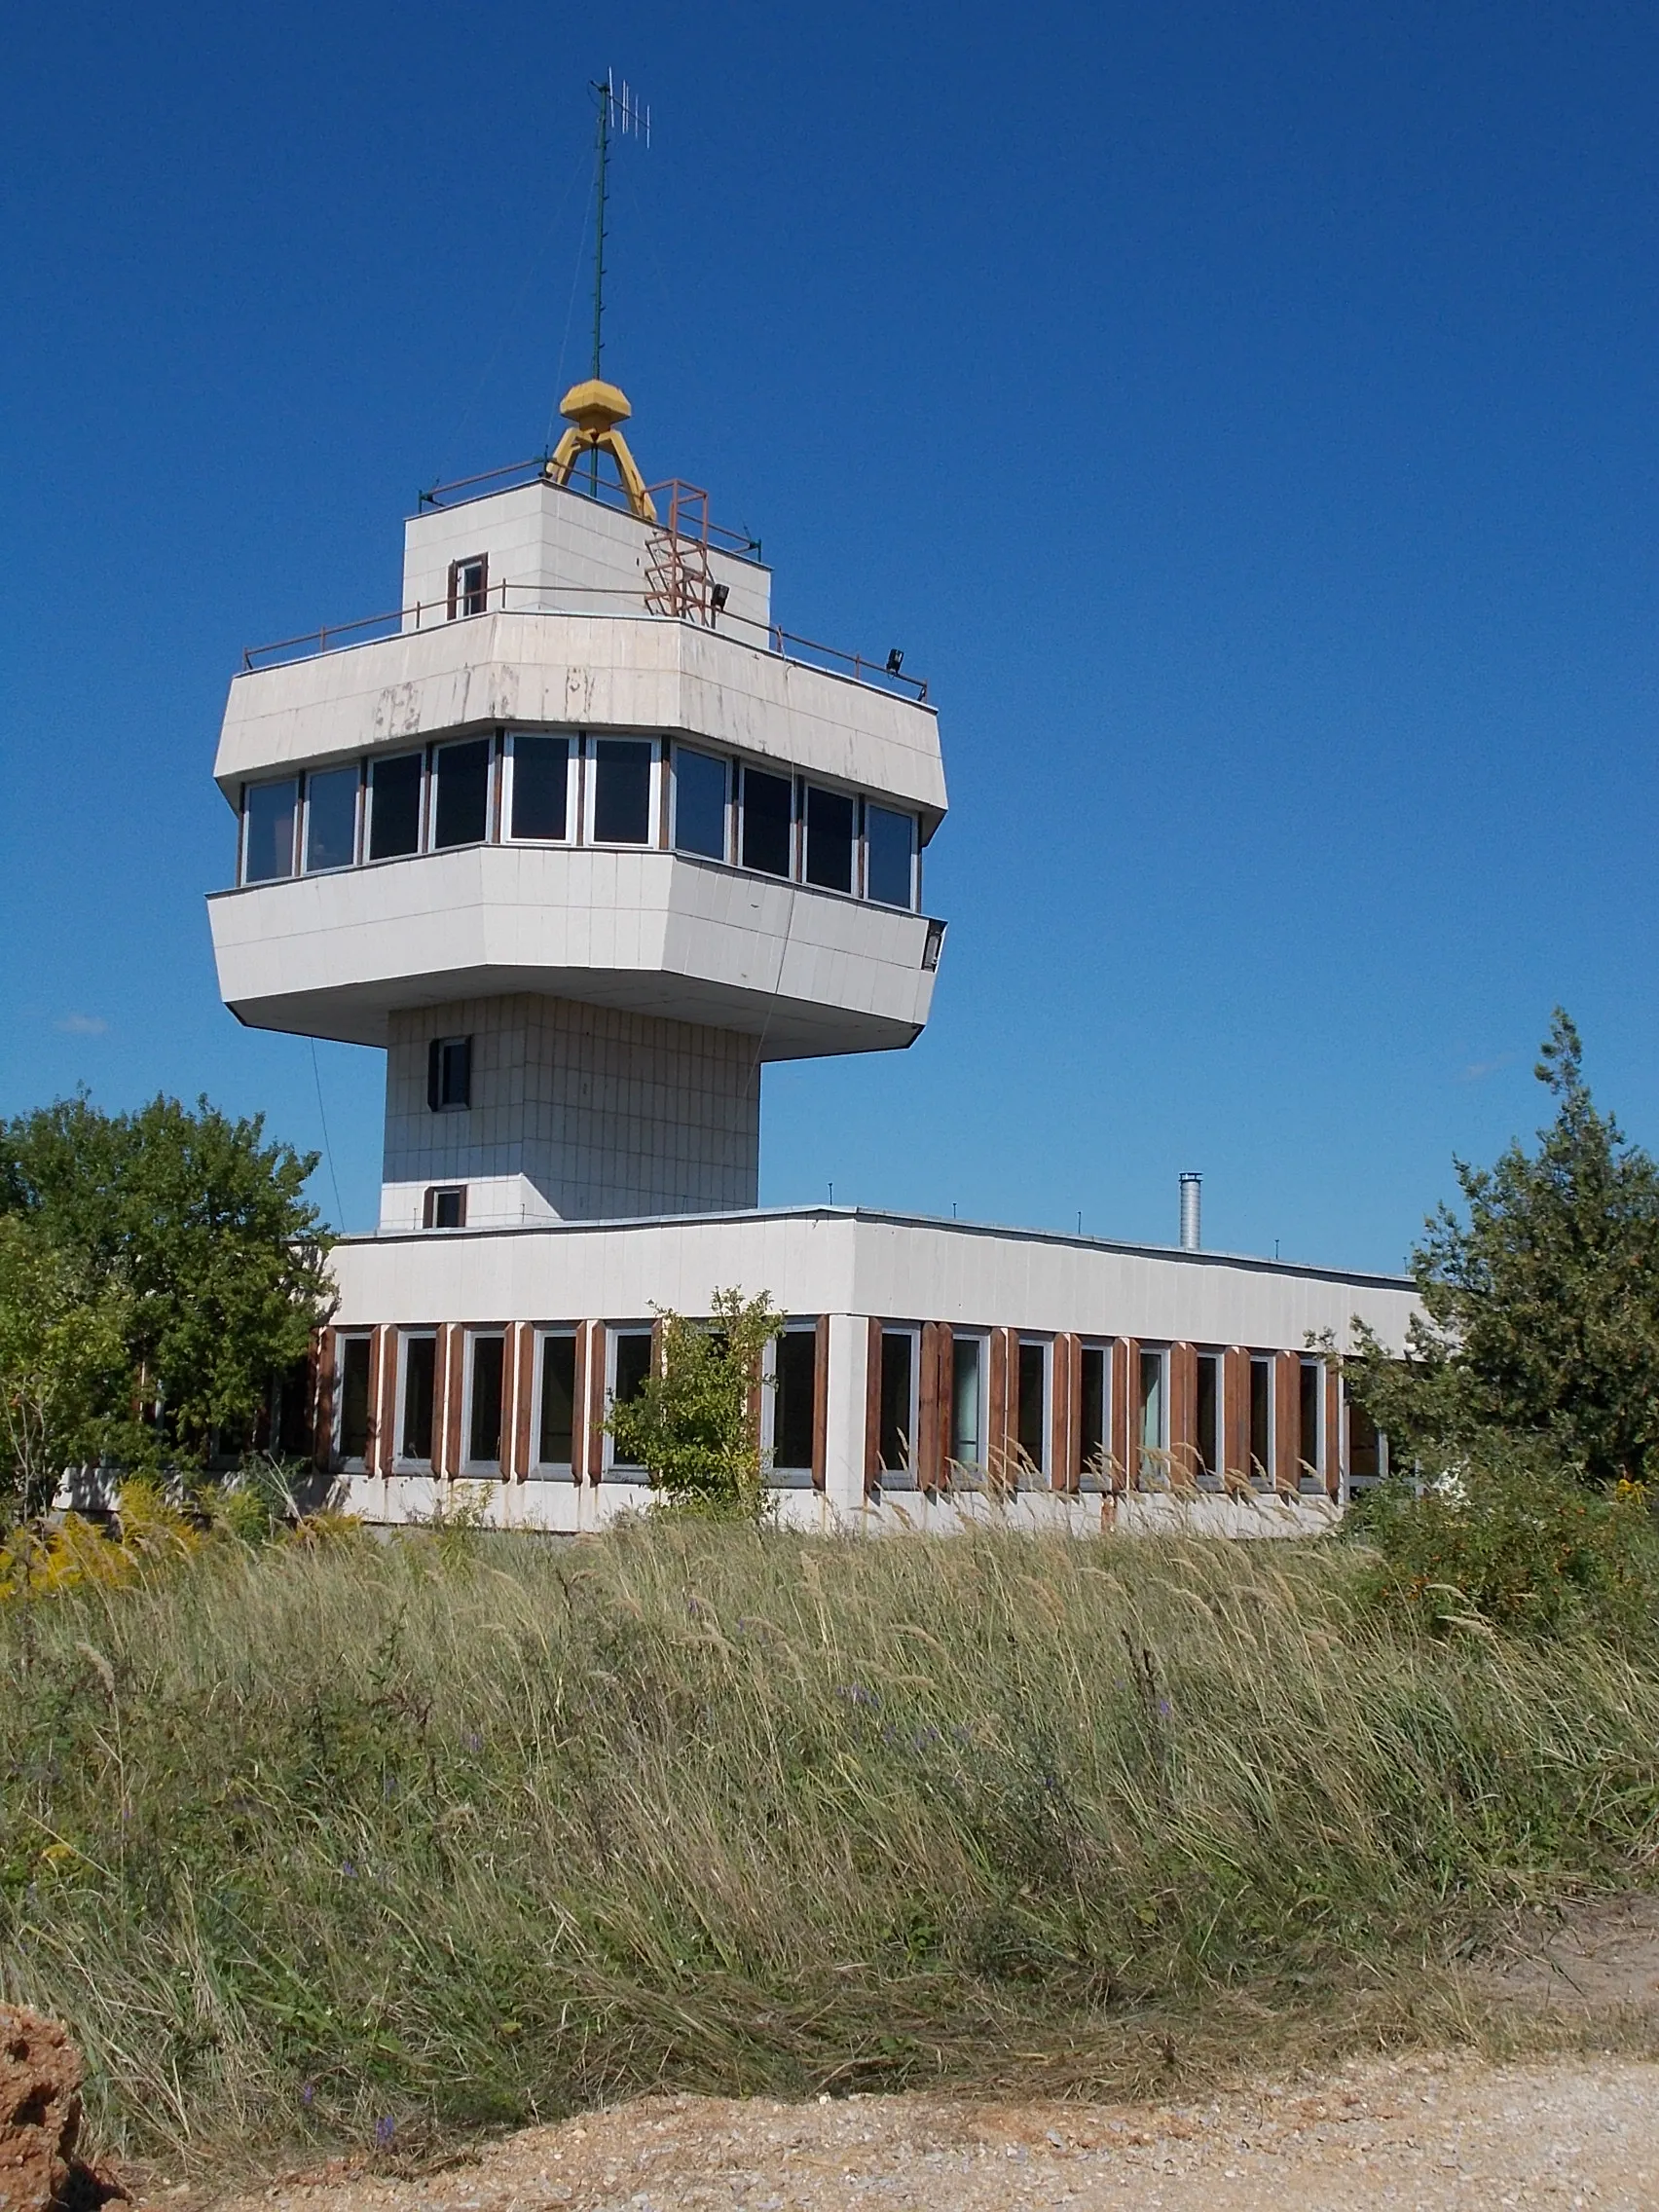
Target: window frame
[
  {"x": 296, "y": 783},
  {"x": 802, "y": 1328},
  {"x": 980, "y": 1339},
  {"x": 776, "y": 773},
  {"x": 1208, "y": 1476},
  {"x": 475, "y": 1469},
  {"x": 811, "y": 788},
  {"x": 907, "y": 1477},
  {"x": 554, "y": 1471},
  {"x": 402, "y": 1462},
  {"x": 480, "y": 561},
  {"x": 1312, "y": 1474},
  {"x": 1152, "y": 1458},
  {"x": 590, "y": 741},
  {"x": 1262, "y": 1476},
  {"x": 1024, "y": 1461},
  {"x": 334, "y": 867},
  {"x": 356, "y": 1462},
  {"x": 433, "y": 1206},
  {"x": 507, "y": 755},
  {"x": 372, "y": 763},
  {"x": 612, "y": 1468},
  {"x": 729, "y": 804},
  {"x": 1095, "y": 1347},
  {"x": 901, "y": 813},
  {"x": 431, "y": 792},
  {"x": 438, "y": 1063}
]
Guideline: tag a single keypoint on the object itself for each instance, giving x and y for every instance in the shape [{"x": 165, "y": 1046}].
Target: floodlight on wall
[
  {"x": 894, "y": 661},
  {"x": 719, "y": 594}
]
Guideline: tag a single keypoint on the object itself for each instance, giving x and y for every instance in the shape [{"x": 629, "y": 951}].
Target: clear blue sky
[{"x": 1246, "y": 416}]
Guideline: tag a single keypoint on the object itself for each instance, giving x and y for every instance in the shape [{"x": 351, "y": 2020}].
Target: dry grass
[{"x": 398, "y": 1842}]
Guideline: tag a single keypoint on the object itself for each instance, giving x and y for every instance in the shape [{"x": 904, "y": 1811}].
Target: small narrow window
[
  {"x": 269, "y": 812},
  {"x": 419, "y": 1395},
  {"x": 629, "y": 1369},
  {"x": 353, "y": 1438},
  {"x": 768, "y": 808},
  {"x": 898, "y": 1412},
  {"x": 460, "y": 805},
  {"x": 1206, "y": 1441},
  {"x": 1310, "y": 1423},
  {"x": 540, "y": 786},
  {"x": 1091, "y": 1409},
  {"x": 968, "y": 1401},
  {"x": 890, "y": 854},
  {"x": 699, "y": 804},
  {"x": 556, "y": 1418},
  {"x": 1262, "y": 1417},
  {"x": 468, "y": 586},
  {"x": 1032, "y": 1411},
  {"x": 331, "y": 819},
  {"x": 795, "y": 1401},
  {"x": 395, "y": 806},
  {"x": 484, "y": 1402},
  {"x": 444, "y": 1207},
  {"x": 831, "y": 820},
  {"x": 1151, "y": 1425},
  {"x": 448, "y": 1074}
]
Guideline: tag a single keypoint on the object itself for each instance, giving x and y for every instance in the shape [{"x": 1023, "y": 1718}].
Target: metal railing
[
  {"x": 670, "y": 495},
  {"x": 876, "y": 675}
]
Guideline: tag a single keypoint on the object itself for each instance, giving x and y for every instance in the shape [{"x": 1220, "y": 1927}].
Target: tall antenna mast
[{"x": 621, "y": 113}]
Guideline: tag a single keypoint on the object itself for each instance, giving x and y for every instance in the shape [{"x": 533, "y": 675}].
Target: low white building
[{"x": 582, "y": 840}]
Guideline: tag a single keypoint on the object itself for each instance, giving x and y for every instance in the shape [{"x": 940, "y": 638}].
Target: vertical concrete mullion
[
  {"x": 930, "y": 1458},
  {"x": 1182, "y": 1411},
  {"x": 384, "y": 1368},
  {"x": 873, "y": 1408},
  {"x": 597, "y": 1358},
  {"x": 1120, "y": 1423},
  {"x": 524, "y": 1367}
]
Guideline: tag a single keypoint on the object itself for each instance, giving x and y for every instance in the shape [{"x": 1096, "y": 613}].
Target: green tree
[
  {"x": 63, "y": 1366},
  {"x": 203, "y": 1231},
  {"x": 1540, "y": 1298},
  {"x": 695, "y": 1425}
]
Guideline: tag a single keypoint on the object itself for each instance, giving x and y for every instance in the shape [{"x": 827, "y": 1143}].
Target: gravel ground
[{"x": 1429, "y": 2133}]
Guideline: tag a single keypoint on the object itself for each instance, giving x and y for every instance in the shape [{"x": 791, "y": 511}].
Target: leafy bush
[
  {"x": 1515, "y": 1537},
  {"x": 694, "y": 1425}
]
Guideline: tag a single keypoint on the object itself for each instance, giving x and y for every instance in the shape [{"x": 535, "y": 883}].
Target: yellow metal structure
[{"x": 594, "y": 408}]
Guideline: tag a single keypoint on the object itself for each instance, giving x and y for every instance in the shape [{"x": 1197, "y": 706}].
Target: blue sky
[{"x": 1246, "y": 418}]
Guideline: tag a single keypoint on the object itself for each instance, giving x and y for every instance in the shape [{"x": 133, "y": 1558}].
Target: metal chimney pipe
[{"x": 1191, "y": 1188}]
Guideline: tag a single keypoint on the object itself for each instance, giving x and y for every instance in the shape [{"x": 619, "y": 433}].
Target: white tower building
[{"x": 581, "y": 839}]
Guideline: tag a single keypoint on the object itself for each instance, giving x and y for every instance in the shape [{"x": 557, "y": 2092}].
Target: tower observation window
[
  {"x": 890, "y": 851},
  {"x": 331, "y": 819},
  {"x": 767, "y": 819},
  {"x": 448, "y": 1074},
  {"x": 699, "y": 804},
  {"x": 540, "y": 786},
  {"x": 831, "y": 820},
  {"x": 461, "y": 811},
  {"x": 269, "y": 812},
  {"x": 621, "y": 790},
  {"x": 395, "y": 806},
  {"x": 468, "y": 586}
]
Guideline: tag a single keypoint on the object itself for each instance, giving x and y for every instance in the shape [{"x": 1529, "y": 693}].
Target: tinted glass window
[
  {"x": 633, "y": 1366},
  {"x": 898, "y": 1353},
  {"x": 699, "y": 804},
  {"x": 558, "y": 1401},
  {"x": 542, "y": 781},
  {"x": 355, "y": 1398},
  {"x": 796, "y": 1401},
  {"x": 1208, "y": 1413},
  {"x": 270, "y": 848},
  {"x": 1034, "y": 1402},
  {"x": 420, "y": 1382},
  {"x": 331, "y": 819},
  {"x": 484, "y": 1432},
  {"x": 1091, "y": 1427},
  {"x": 1261, "y": 1417},
  {"x": 1311, "y": 1381},
  {"x": 831, "y": 824},
  {"x": 766, "y": 814},
  {"x": 395, "y": 806},
  {"x": 889, "y": 847},
  {"x": 461, "y": 812},
  {"x": 621, "y": 790}
]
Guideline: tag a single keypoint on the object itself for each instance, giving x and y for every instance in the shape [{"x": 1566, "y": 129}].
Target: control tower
[{"x": 581, "y": 839}]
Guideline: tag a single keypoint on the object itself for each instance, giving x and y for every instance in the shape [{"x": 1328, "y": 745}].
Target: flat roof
[{"x": 1251, "y": 1262}]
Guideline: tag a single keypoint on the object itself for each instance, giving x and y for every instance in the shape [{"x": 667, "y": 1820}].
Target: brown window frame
[{"x": 430, "y": 1205}]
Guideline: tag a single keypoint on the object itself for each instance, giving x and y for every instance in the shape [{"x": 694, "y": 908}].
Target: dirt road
[{"x": 1434, "y": 2134}]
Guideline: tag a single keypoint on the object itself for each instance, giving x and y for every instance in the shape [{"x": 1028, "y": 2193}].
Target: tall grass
[{"x": 394, "y": 1841}]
